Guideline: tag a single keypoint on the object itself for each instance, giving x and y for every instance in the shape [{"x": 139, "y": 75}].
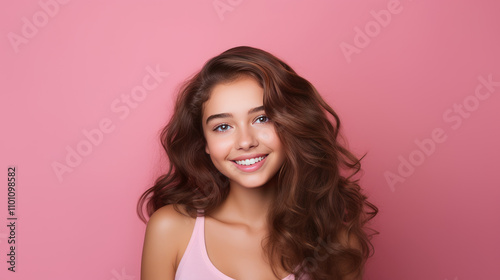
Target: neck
[{"x": 248, "y": 206}]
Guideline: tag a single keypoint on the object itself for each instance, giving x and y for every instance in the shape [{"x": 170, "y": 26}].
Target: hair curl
[{"x": 316, "y": 205}]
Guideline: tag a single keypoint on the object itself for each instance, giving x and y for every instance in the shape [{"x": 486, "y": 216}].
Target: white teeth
[{"x": 249, "y": 161}]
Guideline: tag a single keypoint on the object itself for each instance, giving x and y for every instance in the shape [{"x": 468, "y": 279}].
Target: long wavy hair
[{"x": 318, "y": 201}]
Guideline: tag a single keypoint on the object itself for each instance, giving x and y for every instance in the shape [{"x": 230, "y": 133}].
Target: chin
[{"x": 252, "y": 184}]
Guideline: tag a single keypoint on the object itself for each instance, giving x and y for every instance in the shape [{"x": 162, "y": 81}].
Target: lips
[{"x": 250, "y": 163}]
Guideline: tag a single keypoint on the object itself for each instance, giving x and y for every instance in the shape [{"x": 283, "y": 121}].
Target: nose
[{"x": 246, "y": 138}]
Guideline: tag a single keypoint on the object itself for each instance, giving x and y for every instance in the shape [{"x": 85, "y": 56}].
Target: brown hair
[{"x": 316, "y": 205}]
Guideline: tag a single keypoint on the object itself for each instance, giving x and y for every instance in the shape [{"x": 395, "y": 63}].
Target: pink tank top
[{"x": 195, "y": 264}]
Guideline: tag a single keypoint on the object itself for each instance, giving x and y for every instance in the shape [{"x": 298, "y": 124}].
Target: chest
[{"x": 237, "y": 252}]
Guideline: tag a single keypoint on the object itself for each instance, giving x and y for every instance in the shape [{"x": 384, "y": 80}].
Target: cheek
[
  {"x": 270, "y": 138},
  {"x": 219, "y": 151},
  {"x": 218, "y": 148}
]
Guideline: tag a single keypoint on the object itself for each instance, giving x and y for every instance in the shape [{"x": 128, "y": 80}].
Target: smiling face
[{"x": 241, "y": 140}]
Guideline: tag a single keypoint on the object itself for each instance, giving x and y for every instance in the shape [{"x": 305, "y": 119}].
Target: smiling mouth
[{"x": 250, "y": 161}]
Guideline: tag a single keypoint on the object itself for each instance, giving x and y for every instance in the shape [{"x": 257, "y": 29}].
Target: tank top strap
[
  {"x": 199, "y": 229},
  {"x": 192, "y": 265}
]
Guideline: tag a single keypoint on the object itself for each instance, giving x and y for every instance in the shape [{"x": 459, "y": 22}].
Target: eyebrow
[{"x": 228, "y": 115}]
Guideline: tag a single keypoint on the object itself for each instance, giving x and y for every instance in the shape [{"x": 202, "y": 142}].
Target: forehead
[{"x": 237, "y": 96}]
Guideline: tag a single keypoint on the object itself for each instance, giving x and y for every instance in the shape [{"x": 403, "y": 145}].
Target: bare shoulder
[
  {"x": 168, "y": 218},
  {"x": 167, "y": 235}
]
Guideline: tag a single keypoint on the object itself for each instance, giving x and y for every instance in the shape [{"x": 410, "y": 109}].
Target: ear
[{"x": 207, "y": 150}]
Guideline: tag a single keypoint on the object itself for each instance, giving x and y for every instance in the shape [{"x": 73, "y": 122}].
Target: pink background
[{"x": 396, "y": 81}]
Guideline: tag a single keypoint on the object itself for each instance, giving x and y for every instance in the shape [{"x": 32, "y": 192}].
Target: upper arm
[{"x": 160, "y": 249}]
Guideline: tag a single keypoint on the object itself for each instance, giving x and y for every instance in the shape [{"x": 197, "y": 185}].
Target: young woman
[{"x": 259, "y": 185}]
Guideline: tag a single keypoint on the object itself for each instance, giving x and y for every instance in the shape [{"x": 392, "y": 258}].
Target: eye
[
  {"x": 221, "y": 127},
  {"x": 262, "y": 119}
]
